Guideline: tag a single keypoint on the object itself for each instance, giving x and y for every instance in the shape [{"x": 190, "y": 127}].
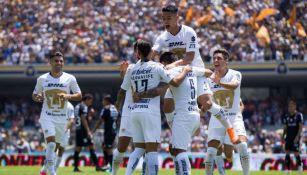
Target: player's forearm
[
  {"x": 70, "y": 124},
  {"x": 75, "y": 97},
  {"x": 300, "y": 129},
  {"x": 97, "y": 125},
  {"x": 85, "y": 124},
  {"x": 120, "y": 98},
  {"x": 230, "y": 85},
  {"x": 189, "y": 57},
  {"x": 178, "y": 79},
  {"x": 157, "y": 91}
]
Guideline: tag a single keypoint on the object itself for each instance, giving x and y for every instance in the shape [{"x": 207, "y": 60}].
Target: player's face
[
  {"x": 89, "y": 102},
  {"x": 291, "y": 107},
  {"x": 220, "y": 63},
  {"x": 169, "y": 20},
  {"x": 57, "y": 63}
]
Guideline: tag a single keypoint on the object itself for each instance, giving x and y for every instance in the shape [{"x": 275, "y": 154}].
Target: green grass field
[{"x": 34, "y": 170}]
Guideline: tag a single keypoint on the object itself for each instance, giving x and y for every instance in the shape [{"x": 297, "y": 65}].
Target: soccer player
[
  {"x": 60, "y": 147},
  {"x": 225, "y": 85},
  {"x": 186, "y": 119},
  {"x": 84, "y": 136},
  {"x": 145, "y": 113},
  {"x": 54, "y": 89},
  {"x": 109, "y": 115},
  {"x": 293, "y": 125},
  {"x": 182, "y": 41}
]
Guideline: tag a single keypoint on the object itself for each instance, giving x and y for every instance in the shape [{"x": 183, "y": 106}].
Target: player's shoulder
[
  {"x": 187, "y": 28},
  {"x": 68, "y": 75},
  {"x": 43, "y": 76},
  {"x": 234, "y": 72}
]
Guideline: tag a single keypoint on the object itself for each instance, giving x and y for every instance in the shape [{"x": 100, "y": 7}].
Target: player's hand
[
  {"x": 123, "y": 67},
  {"x": 63, "y": 96},
  {"x": 296, "y": 140},
  {"x": 187, "y": 68},
  {"x": 136, "y": 97},
  {"x": 38, "y": 98},
  {"x": 215, "y": 77},
  {"x": 170, "y": 66},
  {"x": 89, "y": 134}
]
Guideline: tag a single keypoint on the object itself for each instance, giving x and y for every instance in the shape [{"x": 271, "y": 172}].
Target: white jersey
[
  {"x": 185, "y": 96},
  {"x": 70, "y": 111},
  {"x": 55, "y": 108},
  {"x": 128, "y": 98},
  {"x": 228, "y": 99},
  {"x": 142, "y": 77},
  {"x": 184, "y": 41}
]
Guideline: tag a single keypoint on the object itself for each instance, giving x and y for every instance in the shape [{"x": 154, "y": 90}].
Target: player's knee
[
  {"x": 51, "y": 146},
  {"x": 214, "y": 143}
]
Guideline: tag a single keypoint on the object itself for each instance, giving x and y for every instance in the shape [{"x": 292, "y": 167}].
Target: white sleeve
[
  {"x": 70, "y": 111},
  {"x": 39, "y": 86},
  {"x": 192, "y": 41},
  {"x": 159, "y": 44},
  {"x": 237, "y": 77},
  {"x": 74, "y": 85},
  {"x": 126, "y": 84},
  {"x": 198, "y": 71},
  {"x": 164, "y": 74}
]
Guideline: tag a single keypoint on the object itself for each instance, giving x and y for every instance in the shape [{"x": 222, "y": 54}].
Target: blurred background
[{"x": 266, "y": 39}]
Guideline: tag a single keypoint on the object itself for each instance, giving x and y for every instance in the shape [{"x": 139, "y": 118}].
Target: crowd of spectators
[
  {"x": 20, "y": 130},
  {"x": 104, "y": 31}
]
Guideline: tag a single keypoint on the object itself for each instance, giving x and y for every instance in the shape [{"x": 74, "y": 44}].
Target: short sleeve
[
  {"x": 192, "y": 41},
  {"x": 39, "y": 86},
  {"x": 126, "y": 84},
  {"x": 74, "y": 85},
  {"x": 165, "y": 76},
  {"x": 159, "y": 44}
]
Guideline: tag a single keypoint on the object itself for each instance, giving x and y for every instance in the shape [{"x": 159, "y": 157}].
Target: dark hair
[
  {"x": 135, "y": 45},
  {"x": 56, "y": 54},
  {"x": 224, "y": 52},
  {"x": 144, "y": 48},
  {"x": 171, "y": 8},
  {"x": 292, "y": 99},
  {"x": 167, "y": 57},
  {"x": 87, "y": 96},
  {"x": 108, "y": 98}
]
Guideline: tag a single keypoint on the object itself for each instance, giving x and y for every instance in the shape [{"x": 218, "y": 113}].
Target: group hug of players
[{"x": 187, "y": 89}]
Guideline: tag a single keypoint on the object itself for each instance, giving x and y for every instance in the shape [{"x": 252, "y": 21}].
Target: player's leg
[
  {"x": 184, "y": 126},
  {"x": 228, "y": 151},
  {"x": 134, "y": 157},
  {"x": 119, "y": 152},
  {"x": 219, "y": 161},
  {"x": 151, "y": 127},
  {"x": 296, "y": 150},
  {"x": 210, "y": 156},
  {"x": 139, "y": 142},
  {"x": 205, "y": 99},
  {"x": 61, "y": 138},
  {"x": 59, "y": 157},
  {"x": 242, "y": 149},
  {"x": 124, "y": 138},
  {"x": 76, "y": 157},
  {"x": 108, "y": 148},
  {"x": 93, "y": 155},
  {"x": 49, "y": 133}
]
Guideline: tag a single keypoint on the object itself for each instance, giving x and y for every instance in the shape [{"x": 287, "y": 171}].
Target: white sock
[
  {"x": 184, "y": 163},
  {"x": 144, "y": 166},
  {"x": 209, "y": 163},
  {"x": 58, "y": 162},
  {"x": 244, "y": 157},
  {"x": 152, "y": 163},
  {"x": 134, "y": 160},
  {"x": 219, "y": 161},
  {"x": 50, "y": 155},
  {"x": 219, "y": 113},
  {"x": 117, "y": 158},
  {"x": 176, "y": 165},
  {"x": 169, "y": 118}
]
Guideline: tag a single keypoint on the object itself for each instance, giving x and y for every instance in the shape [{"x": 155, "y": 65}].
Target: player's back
[
  {"x": 80, "y": 110},
  {"x": 145, "y": 76},
  {"x": 185, "y": 94}
]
